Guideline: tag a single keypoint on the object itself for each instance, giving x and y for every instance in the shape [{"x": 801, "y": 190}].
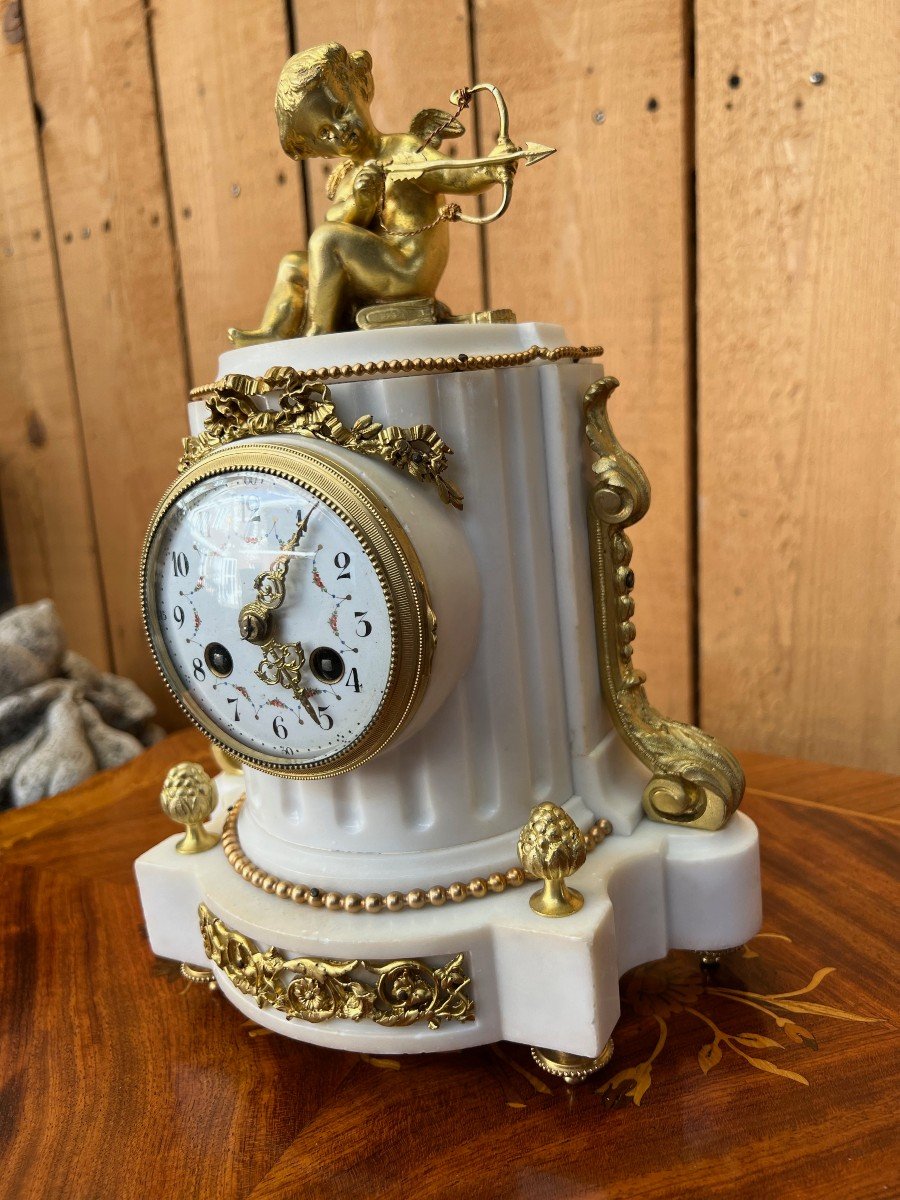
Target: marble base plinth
[{"x": 536, "y": 981}]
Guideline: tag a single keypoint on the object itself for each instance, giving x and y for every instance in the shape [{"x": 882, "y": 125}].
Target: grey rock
[
  {"x": 21, "y": 712},
  {"x": 111, "y": 747},
  {"x": 119, "y": 702},
  {"x": 62, "y": 758},
  {"x": 61, "y": 719},
  {"x": 13, "y": 755},
  {"x": 31, "y": 646}
]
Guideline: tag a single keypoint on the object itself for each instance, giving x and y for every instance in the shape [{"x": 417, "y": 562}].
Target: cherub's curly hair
[{"x": 306, "y": 71}]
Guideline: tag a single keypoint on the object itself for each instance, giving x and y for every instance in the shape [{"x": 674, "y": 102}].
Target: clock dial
[{"x": 313, "y": 673}]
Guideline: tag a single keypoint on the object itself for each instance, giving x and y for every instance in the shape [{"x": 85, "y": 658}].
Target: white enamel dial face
[{"x": 209, "y": 548}]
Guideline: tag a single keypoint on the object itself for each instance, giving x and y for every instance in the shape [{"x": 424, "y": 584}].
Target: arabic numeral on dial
[
  {"x": 199, "y": 670},
  {"x": 342, "y": 562},
  {"x": 353, "y": 680},
  {"x": 180, "y": 563},
  {"x": 363, "y": 627},
  {"x": 178, "y": 614},
  {"x": 235, "y": 714},
  {"x": 279, "y": 728},
  {"x": 326, "y": 720}
]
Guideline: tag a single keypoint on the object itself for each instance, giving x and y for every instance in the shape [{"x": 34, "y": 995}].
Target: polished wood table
[{"x": 773, "y": 1076}]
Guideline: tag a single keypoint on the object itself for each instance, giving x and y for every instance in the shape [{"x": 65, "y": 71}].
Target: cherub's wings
[{"x": 432, "y": 125}]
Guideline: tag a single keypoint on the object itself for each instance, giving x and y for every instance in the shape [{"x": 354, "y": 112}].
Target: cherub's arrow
[{"x": 530, "y": 153}]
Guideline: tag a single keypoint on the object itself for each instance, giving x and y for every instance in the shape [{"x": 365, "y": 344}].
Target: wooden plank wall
[
  {"x": 101, "y": 144},
  {"x": 799, "y": 548},
  {"x": 146, "y": 204},
  {"x": 237, "y": 201},
  {"x": 599, "y": 245},
  {"x": 53, "y": 546}
]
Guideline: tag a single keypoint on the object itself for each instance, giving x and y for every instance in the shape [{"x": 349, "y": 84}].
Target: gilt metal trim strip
[
  {"x": 401, "y": 992},
  {"x": 696, "y": 781}
]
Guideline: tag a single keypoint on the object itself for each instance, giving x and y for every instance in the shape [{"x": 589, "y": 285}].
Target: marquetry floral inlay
[{"x": 675, "y": 989}]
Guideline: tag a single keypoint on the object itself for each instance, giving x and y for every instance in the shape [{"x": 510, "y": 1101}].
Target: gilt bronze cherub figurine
[{"x": 385, "y": 239}]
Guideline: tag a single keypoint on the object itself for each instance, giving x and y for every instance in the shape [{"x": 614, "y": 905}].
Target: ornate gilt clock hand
[
  {"x": 281, "y": 665},
  {"x": 309, "y": 706},
  {"x": 255, "y": 618},
  {"x": 281, "y": 662}
]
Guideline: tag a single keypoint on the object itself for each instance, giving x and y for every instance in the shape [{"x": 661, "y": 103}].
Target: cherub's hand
[
  {"x": 503, "y": 172},
  {"x": 368, "y": 183}
]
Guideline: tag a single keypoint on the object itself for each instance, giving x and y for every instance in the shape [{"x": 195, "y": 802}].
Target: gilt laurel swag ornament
[
  {"x": 403, "y": 992},
  {"x": 306, "y": 408},
  {"x": 696, "y": 780}
]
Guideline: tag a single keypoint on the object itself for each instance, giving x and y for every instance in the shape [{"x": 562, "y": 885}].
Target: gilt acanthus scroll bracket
[{"x": 696, "y": 781}]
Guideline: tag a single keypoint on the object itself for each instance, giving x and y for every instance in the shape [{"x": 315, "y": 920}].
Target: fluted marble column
[{"x": 525, "y": 723}]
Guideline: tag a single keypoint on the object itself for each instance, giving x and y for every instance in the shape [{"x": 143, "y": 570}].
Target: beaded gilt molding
[
  {"x": 435, "y": 896},
  {"x": 448, "y": 364},
  {"x": 399, "y": 993},
  {"x": 696, "y": 780}
]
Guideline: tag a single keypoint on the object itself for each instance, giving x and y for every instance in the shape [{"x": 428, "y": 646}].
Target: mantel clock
[{"x": 384, "y": 589}]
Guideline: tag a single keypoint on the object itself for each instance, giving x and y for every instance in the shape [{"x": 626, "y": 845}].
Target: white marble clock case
[{"x": 523, "y": 722}]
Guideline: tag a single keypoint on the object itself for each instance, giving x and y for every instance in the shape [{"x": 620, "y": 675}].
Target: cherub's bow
[{"x": 531, "y": 152}]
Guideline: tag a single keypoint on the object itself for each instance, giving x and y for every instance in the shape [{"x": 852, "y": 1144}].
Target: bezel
[{"x": 397, "y": 566}]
